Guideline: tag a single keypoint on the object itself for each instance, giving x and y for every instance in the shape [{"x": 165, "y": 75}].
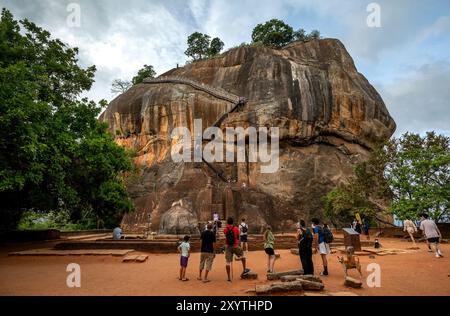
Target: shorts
[
  {"x": 243, "y": 238},
  {"x": 324, "y": 248},
  {"x": 230, "y": 251},
  {"x": 184, "y": 261},
  {"x": 270, "y": 251},
  {"x": 206, "y": 258},
  {"x": 434, "y": 240}
]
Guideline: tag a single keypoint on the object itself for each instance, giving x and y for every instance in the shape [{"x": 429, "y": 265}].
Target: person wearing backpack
[
  {"x": 305, "y": 241},
  {"x": 232, "y": 247},
  {"x": 327, "y": 234},
  {"x": 320, "y": 244},
  {"x": 243, "y": 229}
]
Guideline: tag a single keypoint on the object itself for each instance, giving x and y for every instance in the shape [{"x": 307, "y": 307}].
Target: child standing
[{"x": 184, "y": 249}]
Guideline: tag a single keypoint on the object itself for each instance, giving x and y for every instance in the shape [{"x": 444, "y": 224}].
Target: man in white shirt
[{"x": 432, "y": 233}]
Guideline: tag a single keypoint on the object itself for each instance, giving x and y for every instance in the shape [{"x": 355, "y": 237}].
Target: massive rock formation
[{"x": 329, "y": 116}]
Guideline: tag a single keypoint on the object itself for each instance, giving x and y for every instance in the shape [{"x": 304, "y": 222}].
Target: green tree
[
  {"x": 301, "y": 35},
  {"x": 146, "y": 72},
  {"x": 274, "y": 33},
  {"x": 54, "y": 153},
  {"x": 198, "y": 45},
  {"x": 404, "y": 177},
  {"x": 315, "y": 34},
  {"x": 368, "y": 192},
  {"x": 201, "y": 46},
  {"x": 419, "y": 175},
  {"x": 215, "y": 47}
]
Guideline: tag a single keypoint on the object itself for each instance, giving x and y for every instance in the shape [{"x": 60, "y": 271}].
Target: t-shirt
[
  {"x": 236, "y": 233},
  {"x": 319, "y": 232},
  {"x": 216, "y": 217},
  {"x": 117, "y": 233},
  {"x": 241, "y": 229},
  {"x": 305, "y": 238},
  {"x": 184, "y": 247},
  {"x": 208, "y": 239},
  {"x": 269, "y": 241},
  {"x": 429, "y": 228}
]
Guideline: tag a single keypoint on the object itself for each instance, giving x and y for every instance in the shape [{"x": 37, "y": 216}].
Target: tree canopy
[
  {"x": 146, "y": 72},
  {"x": 54, "y": 153},
  {"x": 201, "y": 46},
  {"x": 404, "y": 177},
  {"x": 418, "y": 171},
  {"x": 276, "y": 33}
]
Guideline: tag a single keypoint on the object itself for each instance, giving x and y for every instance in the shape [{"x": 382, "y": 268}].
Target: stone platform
[
  {"x": 81, "y": 252},
  {"x": 167, "y": 243}
]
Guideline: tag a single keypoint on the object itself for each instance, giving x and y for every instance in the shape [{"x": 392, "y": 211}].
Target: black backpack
[
  {"x": 327, "y": 235},
  {"x": 307, "y": 238},
  {"x": 244, "y": 228},
  {"x": 229, "y": 236}
]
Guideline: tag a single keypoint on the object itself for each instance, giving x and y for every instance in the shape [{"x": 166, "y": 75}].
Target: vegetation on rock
[
  {"x": 146, "y": 72},
  {"x": 404, "y": 177},
  {"x": 201, "y": 46},
  {"x": 276, "y": 33}
]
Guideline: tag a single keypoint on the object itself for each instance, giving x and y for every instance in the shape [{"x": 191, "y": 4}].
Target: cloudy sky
[{"x": 407, "y": 58}]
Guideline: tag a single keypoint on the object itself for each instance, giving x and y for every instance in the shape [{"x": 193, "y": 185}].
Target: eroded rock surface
[{"x": 329, "y": 116}]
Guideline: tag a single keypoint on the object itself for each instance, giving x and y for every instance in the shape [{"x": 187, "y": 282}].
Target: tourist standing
[
  {"x": 411, "y": 229},
  {"x": 243, "y": 230},
  {"x": 320, "y": 244},
  {"x": 207, "y": 252},
  {"x": 358, "y": 227},
  {"x": 269, "y": 241},
  {"x": 305, "y": 242},
  {"x": 117, "y": 233},
  {"x": 432, "y": 234},
  {"x": 184, "y": 249},
  {"x": 366, "y": 228},
  {"x": 232, "y": 247},
  {"x": 216, "y": 220}
]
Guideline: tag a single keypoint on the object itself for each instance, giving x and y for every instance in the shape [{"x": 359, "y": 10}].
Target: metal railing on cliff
[
  {"x": 238, "y": 102},
  {"x": 216, "y": 92}
]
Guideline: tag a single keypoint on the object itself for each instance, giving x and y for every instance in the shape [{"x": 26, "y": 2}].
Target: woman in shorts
[{"x": 269, "y": 241}]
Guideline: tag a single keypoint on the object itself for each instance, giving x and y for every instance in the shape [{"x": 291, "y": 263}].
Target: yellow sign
[{"x": 358, "y": 218}]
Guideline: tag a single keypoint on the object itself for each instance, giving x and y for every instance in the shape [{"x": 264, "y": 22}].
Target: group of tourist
[
  {"x": 361, "y": 226},
  {"x": 430, "y": 231},
  {"x": 235, "y": 242},
  {"x": 313, "y": 238},
  {"x": 316, "y": 238}
]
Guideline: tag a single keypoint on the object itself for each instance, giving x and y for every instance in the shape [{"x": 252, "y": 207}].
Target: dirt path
[{"x": 402, "y": 274}]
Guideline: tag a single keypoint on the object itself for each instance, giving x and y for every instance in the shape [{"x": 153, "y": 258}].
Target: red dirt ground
[{"x": 417, "y": 273}]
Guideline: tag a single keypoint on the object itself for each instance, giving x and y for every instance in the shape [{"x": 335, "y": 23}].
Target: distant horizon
[{"x": 406, "y": 59}]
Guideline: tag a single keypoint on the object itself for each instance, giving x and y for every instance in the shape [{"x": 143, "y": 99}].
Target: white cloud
[
  {"x": 439, "y": 27},
  {"x": 422, "y": 102},
  {"x": 407, "y": 57}
]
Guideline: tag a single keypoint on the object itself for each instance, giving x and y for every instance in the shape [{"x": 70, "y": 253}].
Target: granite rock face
[
  {"x": 179, "y": 219},
  {"x": 329, "y": 117}
]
